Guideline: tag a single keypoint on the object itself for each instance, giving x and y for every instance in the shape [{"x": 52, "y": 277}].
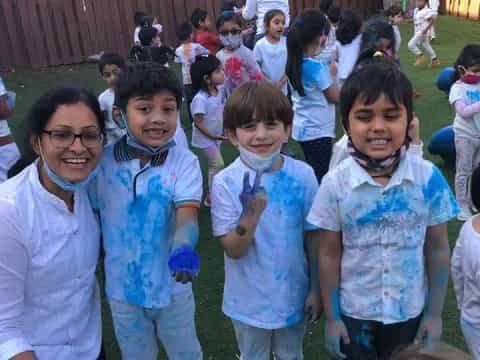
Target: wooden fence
[{"x": 41, "y": 33}]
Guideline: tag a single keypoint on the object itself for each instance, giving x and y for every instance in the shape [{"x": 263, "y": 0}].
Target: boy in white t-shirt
[
  {"x": 271, "y": 50},
  {"x": 110, "y": 66},
  {"x": 185, "y": 54},
  {"x": 9, "y": 153},
  {"x": 259, "y": 206}
]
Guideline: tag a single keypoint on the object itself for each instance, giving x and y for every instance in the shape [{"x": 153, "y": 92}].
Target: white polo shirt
[
  {"x": 383, "y": 231},
  {"x": 49, "y": 297}
]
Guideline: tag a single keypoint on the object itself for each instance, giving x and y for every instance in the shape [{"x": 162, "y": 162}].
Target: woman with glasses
[{"x": 49, "y": 238}]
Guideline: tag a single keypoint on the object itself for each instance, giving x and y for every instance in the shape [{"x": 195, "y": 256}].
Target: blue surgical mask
[
  {"x": 65, "y": 184},
  {"x": 257, "y": 162},
  {"x": 131, "y": 141}
]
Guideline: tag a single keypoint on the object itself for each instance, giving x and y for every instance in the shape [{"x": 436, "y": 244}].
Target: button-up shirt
[
  {"x": 49, "y": 297},
  {"x": 383, "y": 233}
]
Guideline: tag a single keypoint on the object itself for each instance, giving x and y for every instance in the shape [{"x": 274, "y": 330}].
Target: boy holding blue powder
[{"x": 147, "y": 193}]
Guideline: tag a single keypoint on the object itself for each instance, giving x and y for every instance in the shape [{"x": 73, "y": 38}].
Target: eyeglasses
[
  {"x": 63, "y": 139},
  {"x": 233, "y": 32}
]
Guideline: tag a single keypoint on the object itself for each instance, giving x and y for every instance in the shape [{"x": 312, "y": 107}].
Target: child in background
[
  {"x": 147, "y": 193},
  {"x": 313, "y": 90},
  {"x": 435, "y": 6},
  {"x": 137, "y": 20},
  {"x": 384, "y": 253},
  {"x": 207, "y": 111},
  {"x": 149, "y": 36},
  {"x": 271, "y": 50},
  {"x": 328, "y": 52},
  {"x": 110, "y": 66},
  {"x": 348, "y": 43},
  {"x": 395, "y": 16},
  {"x": 423, "y": 18},
  {"x": 465, "y": 99},
  {"x": 185, "y": 54},
  {"x": 202, "y": 23},
  {"x": 259, "y": 206},
  {"x": 465, "y": 275},
  {"x": 9, "y": 153},
  {"x": 238, "y": 61},
  {"x": 333, "y": 15}
]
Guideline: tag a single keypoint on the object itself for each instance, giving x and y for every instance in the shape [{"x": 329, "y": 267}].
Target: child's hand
[
  {"x": 222, "y": 138},
  {"x": 313, "y": 306},
  {"x": 414, "y": 130},
  {"x": 184, "y": 264},
  {"x": 253, "y": 198},
  {"x": 429, "y": 331},
  {"x": 334, "y": 331}
]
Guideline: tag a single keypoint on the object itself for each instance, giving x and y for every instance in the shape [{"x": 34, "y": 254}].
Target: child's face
[
  {"x": 229, "y": 27},
  {"x": 259, "y": 137},
  {"x": 152, "y": 120},
  {"x": 157, "y": 41},
  {"x": 378, "y": 129},
  {"x": 110, "y": 74},
  {"x": 420, "y": 3},
  {"x": 396, "y": 19},
  {"x": 206, "y": 24},
  {"x": 218, "y": 76},
  {"x": 276, "y": 27},
  {"x": 385, "y": 45}
]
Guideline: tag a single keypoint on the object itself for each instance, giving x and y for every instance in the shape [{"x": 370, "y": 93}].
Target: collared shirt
[
  {"x": 49, "y": 297},
  {"x": 261, "y": 7},
  {"x": 137, "y": 211},
  {"x": 267, "y": 287},
  {"x": 383, "y": 233},
  {"x": 466, "y": 272}
]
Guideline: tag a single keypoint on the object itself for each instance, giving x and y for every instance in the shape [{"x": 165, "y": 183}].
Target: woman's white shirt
[{"x": 49, "y": 296}]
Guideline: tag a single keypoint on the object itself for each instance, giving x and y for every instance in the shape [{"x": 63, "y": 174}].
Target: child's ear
[
  {"x": 232, "y": 136},
  {"x": 34, "y": 143}
]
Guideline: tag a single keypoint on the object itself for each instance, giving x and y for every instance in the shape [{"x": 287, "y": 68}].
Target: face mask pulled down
[{"x": 257, "y": 162}]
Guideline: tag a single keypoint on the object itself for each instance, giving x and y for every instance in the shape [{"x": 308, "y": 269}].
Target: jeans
[
  {"x": 373, "y": 340},
  {"x": 317, "y": 154},
  {"x": 257, "y": 344}
]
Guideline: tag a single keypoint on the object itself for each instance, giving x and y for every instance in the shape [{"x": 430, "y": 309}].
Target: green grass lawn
[{"x": 215, "y": 331}]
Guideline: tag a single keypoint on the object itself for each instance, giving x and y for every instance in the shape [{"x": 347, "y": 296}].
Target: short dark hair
[
  {"x": 325, "y": 5},
  {"x": 475, "y": 188},
  {"x": 227, "y": 16},
  {"x": 197, "y": 16},
  {"x": 146, "y": 35},
  {"x": 470, "y": 55},
  {"x": 270, "y": 14},
  {"x": 145, "y": 79},
  {"x": 394, "y": 10},
  {"x": 184, "y": 31},
  {"x": 374, "y": 30},
  {"x": 333, "y": 14},
  {"x": 138, "y": 17},
  {"x": 349, "y": 25},
  {"x": 110, "y": 58},
  {"x": 261, "y": 98},
  {"x": 370, "y": 80},
  {"x": 203, "y": 66}
]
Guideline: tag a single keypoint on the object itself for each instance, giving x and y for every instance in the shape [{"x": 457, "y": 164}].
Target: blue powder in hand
[{"x": 185, "y": 259}]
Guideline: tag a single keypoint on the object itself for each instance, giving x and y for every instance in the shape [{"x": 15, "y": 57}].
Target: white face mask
[
  {"x": 230, "y": 41},
  {"x": 257, "y": 162}
]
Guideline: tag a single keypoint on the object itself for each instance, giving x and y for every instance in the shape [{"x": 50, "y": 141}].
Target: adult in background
[
  {"x": 50, "y": 238},
  {"x": 260, "y": 8}
]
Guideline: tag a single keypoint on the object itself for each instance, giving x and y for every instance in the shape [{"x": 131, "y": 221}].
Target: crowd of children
[{"x": 357, "y": 231}]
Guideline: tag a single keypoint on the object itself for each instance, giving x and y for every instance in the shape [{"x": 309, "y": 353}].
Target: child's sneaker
[
  {"x": 435, "y": 63},
  {"x": 206, "y": 201},
  {"x": 419, "y": 59}
]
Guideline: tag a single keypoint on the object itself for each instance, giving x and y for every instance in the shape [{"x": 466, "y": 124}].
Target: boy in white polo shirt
[
  {"x": 271, "y": 278},
  {"x": 9, "y": 153},
  {"x": 147, "y": 193}
]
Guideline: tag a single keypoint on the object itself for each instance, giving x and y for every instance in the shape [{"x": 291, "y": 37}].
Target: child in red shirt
[{"x": 201, "y": 22}]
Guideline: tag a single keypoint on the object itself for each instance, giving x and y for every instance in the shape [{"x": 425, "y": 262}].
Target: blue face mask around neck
[{"x": 65, "y": 184}]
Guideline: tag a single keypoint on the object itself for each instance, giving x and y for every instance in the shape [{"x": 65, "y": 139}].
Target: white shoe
[{"x": 464, "y": 215}]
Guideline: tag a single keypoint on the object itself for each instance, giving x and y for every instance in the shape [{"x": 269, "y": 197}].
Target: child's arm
[
  {"x": 200, "y": 125},
  {"x": 437, "y": 256},
  {"x": 184, "y": 262},
  {"x": 466, "y": 111},
  {"x": 249, "y": 10},
  {"x": 252, "y": 67},
  {"x": 457, "y": 270},
  {"x": 330, "y": 254},
  {"x": 254, "y": 201},
  {"x": 313, "y": 303},
  {"x": 332, "y": 94},
  {"x": 5, "y": 110}
]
